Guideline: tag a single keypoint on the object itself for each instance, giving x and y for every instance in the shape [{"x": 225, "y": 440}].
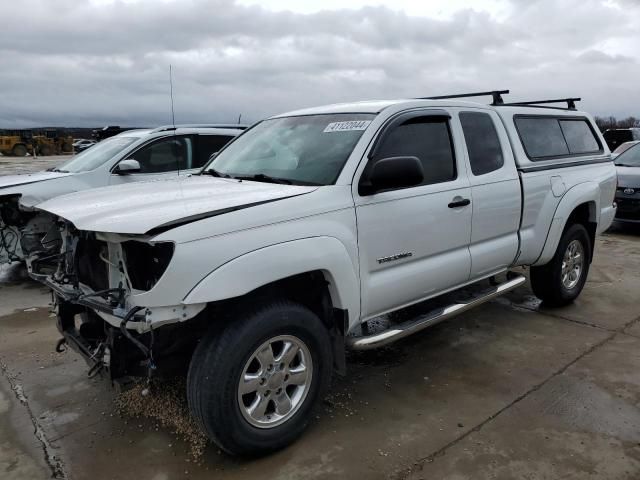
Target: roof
[
  {"x": 376, "y": 106},
  {"x": 142, "y": 132}
]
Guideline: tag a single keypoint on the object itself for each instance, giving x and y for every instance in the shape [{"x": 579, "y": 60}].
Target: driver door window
[{"x": 166, "y": 155}]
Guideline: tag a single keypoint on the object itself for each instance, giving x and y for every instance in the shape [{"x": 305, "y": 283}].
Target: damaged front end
[
  {"x": 25, "y": 231},
  {"x": 96, "y": 279}
]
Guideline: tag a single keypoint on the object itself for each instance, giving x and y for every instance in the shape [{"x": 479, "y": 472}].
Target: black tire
[
  {"x": 218, "y": 364},
  {"x": 45, "y": 151},
  {"x": 19, "y": 151},
  {"x": 546, "y": 280}
]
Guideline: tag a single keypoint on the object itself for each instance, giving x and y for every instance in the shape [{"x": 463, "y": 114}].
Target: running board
[{"x": 396, "y": 332}]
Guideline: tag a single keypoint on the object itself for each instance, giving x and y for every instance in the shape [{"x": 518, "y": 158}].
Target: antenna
[
  {"x": 239, "y": 118},
  {"x": 173, "y": 115},
  {"x": 173, "y": 119}
]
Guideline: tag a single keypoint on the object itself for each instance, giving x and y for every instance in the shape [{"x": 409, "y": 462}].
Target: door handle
[{"x": 459, "y": 202}]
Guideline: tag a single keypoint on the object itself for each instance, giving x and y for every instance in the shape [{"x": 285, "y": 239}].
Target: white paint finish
[
  {"x": 140, "y": 207},
  {"x": 585, "y": 192},
  {"x": 557, "y": 186},
  {"x": 496, "y": 205},
  {"x": 34, "y": 189},
  {"x": 41, "y": 186},
  {"x": 538, "y": 210},
  {"x": 418, "y": 221},
  {"x": 326, "y": 254},
  {"x": 593, "y": 183},
  {"x": 314, "y": 228},
  {"x": 607, "y": 215},
  {"x": 7, "y": 181},
  {"x": 195, "y": 260}
]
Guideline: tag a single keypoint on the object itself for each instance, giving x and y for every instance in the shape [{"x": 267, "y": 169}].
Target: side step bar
[{"x": 396, "y": 332}]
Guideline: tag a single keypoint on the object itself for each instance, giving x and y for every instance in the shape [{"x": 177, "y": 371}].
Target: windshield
[
  {"x": 624, "y": 147},
  {"x": 97, "y": 155},
  {"x": 630, "y": 158},
  {"x": 305, "y": 150}
]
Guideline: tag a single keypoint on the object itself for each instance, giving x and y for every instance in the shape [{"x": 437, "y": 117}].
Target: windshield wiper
[
  {"x": 625, "y": 165},
  {"x": 261, "y": 177},
  {"x": 214, "y": 173},
  {"x": 57, "y": 170}
]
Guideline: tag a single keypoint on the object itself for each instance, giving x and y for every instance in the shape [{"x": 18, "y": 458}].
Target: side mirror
[
  {"x": 392, "y": 173},
  {"x": 125, "y": 167}
]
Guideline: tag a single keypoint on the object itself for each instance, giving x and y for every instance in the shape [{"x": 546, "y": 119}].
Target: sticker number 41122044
[{"x": 347, "y": 126}]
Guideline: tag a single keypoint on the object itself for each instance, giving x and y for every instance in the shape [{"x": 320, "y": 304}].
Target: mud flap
[{"x": 340, "y": 321}]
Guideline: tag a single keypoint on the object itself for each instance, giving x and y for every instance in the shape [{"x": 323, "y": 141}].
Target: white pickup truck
[{"x": 256, "y": 275}]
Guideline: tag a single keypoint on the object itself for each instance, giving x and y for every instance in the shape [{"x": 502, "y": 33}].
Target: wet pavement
[
  {"x": 28, "y": 164},
  {"x": 510, "y": 390}
]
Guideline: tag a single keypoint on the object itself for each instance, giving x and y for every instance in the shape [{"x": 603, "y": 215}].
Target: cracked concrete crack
[
  {"x": 443, "y": 450},
  {"x": 53, "y": 461}
]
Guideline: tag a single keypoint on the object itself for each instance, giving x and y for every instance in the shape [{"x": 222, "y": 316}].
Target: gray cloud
[{"x": 73, "y": 63}]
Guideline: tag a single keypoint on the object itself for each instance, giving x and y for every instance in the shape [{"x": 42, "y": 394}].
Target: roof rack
[
  {"x": 495, "y": 94},
  {"x": 235, "y": 126},
  {"x": 571, "y": 103}
]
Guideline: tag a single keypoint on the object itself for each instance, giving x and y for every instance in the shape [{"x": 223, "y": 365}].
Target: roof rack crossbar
[
  {"x": 571, "y": 102},
  {"x": 495, "y": 94}
]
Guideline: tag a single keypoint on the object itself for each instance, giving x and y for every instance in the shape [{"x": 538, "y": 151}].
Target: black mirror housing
[{"x": 392, "y": 173}]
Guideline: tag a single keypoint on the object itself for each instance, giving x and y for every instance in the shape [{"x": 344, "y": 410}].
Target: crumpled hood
[
  {"x": 628, "y": 177},
  {"x": 7, "y": 181},
  {"x": 139, "y": 208}
]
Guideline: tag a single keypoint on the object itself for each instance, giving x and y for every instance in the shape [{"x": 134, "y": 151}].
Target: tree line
[{"x": 605, "y": 123}]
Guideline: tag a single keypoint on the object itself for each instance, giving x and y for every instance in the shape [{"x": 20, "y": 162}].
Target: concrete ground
[
  {"x": 28, "y": 164},
  {"x": 508, "y": 391}
]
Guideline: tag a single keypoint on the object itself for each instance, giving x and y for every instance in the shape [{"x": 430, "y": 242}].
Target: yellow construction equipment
[
  {"x": 52, "y": 142},
  {"x": 46, "y": 142},
  {"x": 16, "y": 143}
]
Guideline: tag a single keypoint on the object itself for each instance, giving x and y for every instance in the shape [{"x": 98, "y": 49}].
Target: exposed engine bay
[
  {"x": 95, "y": 278},
  {"x": 24, "y": 232}
]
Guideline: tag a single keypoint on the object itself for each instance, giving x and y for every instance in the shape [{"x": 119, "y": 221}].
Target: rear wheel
[
  {"x": 561, "y": 280},
  {"x": 252, "y": 386},
  {"x": 19, "y": 151},
  {"x": 46, "y": 151}
]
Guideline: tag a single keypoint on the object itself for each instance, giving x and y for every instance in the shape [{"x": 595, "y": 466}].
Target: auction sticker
[{"x": 347, "y": 126}]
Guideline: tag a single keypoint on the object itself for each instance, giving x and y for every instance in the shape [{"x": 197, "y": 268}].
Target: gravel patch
[{"x": 164, "y": 402}]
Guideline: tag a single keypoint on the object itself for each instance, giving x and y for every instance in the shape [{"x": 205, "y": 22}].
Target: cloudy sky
[{"x": 97, "y": 62}]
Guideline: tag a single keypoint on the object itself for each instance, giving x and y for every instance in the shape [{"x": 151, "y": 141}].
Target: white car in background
[
  {"x": 623, "y": 147},
  {"x": 80, "y": 145},
  {"x": 132, "y": 156}
]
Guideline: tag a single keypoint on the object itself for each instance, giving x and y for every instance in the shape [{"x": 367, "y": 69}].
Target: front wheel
[
  {"x": 252, "y": 387},
  {"x": 560, "y": 281},
  {"x": 19, "y": 151}
]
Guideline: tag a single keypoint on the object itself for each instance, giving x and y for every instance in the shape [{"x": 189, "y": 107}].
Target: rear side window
[
  {"x": 483, "y": 144},
  {"x": 542, "y": 137},
  {"x": 579, "y": 136},
  {"x": 427, "y": 138},
  {"x": 549, "y": 137},
  {"x": 207, "y": 146}
]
